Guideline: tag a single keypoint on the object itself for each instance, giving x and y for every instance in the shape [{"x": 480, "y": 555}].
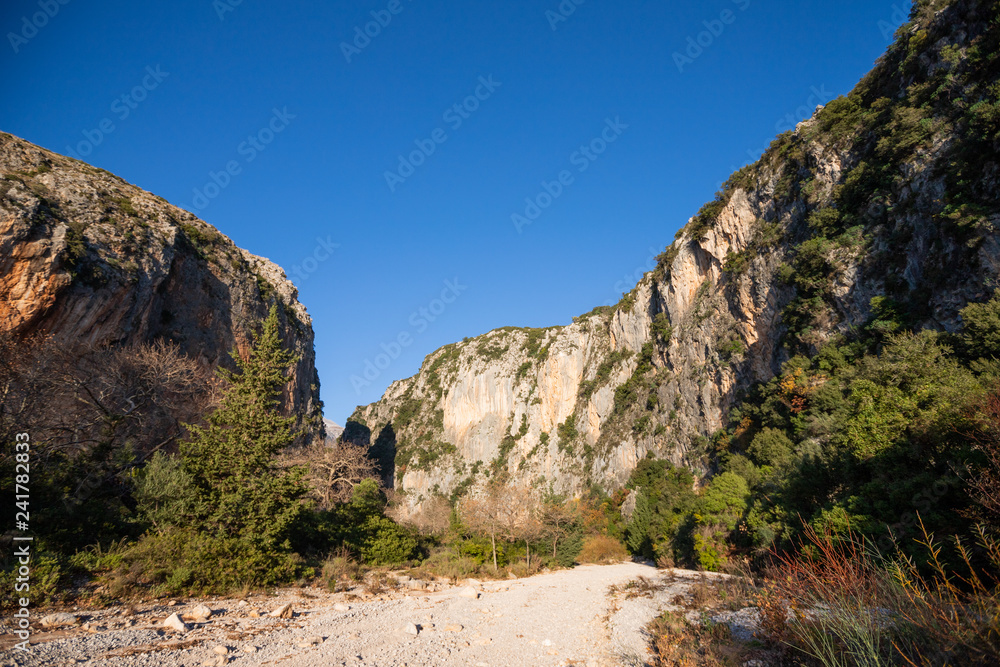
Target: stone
[
  {"x": 453, "y": 627},
  {"x": 175, "y": 623},
  {"x": 59, "y": 620},
  {"x": 250, "y": 649},
  {"x": 217, "y": 661},
  {"x": 172, "y": 603},
  {"x": 411, "y": 629},
  {"x": 340, "y": 606},
  {"x": 284, "y": 611},
  {"x": 242, "y": 603},
  {"x": 310, "y": 641},
  {"x": 221, "y": 650},
  {"x": 468, "y": 592},
  {"x": 547, "y": 642},
  {"x": 198, "y": 613}
]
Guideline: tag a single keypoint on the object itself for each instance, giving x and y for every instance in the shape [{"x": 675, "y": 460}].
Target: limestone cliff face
[
  {"x": 89, "y": 258},
  {"x": 839, "y": 219}
]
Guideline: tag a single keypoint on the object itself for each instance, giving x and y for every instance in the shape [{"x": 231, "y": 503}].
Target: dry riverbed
[{"x": 567, "y": 617}]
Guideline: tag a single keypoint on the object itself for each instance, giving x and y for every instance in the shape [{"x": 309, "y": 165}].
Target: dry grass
[
  {"x": 341, "y": 571},
  {"x": 840, "y": 604},
  {"x": 638, "y": 587},
  {"x": 380, "y": 581},
  {"x": 602, "y": 550},
  {"x": 676, "y": 642}
]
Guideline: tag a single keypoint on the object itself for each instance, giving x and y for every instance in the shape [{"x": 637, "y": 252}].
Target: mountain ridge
[
  {"x": 859, "y": 211},
  {"x": 87, "y": 258}
]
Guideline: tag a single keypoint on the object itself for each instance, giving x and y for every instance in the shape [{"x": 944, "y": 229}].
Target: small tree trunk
[
  {"x": 493, "y": 539},
  {"x": 554, "y": 540},
  {"x": 527, "y": 547}
]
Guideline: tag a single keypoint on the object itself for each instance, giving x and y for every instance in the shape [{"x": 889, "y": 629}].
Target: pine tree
[{"x": 240, "y": 490}]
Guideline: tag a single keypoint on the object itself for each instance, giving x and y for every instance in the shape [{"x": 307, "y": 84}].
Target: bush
[
  {"x": 602, "y": 550},
  {"x": 164, "y": 492},
  {"x": 452, "y": 565},
  {"x": 385, "y": 542},
  {"x": 340, "y": 568},
  {"x": 181, "y": 561},
  {"x": 48, "y": 582}
]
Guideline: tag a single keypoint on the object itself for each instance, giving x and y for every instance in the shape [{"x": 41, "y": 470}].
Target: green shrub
[
  {"x": 980, "y": 336},
  {"x": 660, "y": 328},
  {"x": 384, "y": 542},
  {"x": 181, "y": 561},
  {"x": 164, "y": 492},
  {"x": 771, "y": 447}
]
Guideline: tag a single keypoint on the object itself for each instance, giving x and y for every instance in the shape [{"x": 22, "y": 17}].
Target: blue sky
[{"x": 352, "y": 167}]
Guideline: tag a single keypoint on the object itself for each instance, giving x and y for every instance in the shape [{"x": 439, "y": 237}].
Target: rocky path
[{"x": 559, "y": 618}]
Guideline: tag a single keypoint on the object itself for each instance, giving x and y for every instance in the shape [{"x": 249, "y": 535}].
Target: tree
[
  {"x": 519, "y": 517},
  {"x": 333, "y": 470},
  {"x": 242, "y": 491},
  {"x": 490, "y": 513},
  {"x": 94, "y": 412},
  {"x": 557, "y": 516}
]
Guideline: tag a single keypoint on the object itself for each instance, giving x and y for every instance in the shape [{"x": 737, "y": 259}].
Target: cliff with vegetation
[
  {"x": 876, "y": 216},
  {"x": 87, "y": 258}
]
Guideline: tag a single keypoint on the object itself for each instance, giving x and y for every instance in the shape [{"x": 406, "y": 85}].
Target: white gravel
[{"x": 560, "y": 618}]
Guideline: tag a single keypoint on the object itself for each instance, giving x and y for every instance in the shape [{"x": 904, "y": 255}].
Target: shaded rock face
[
  {"x": 88, "y": 258},
  {"x": 579, "y": 405}
]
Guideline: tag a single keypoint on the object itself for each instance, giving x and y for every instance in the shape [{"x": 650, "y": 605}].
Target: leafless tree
[
  {"x": 487, "y": 514},
  {"x": 433, "y": 517},
  {"x": 334, "y": 470},
  {"x": 503, "y": 511},
  {"x": 76, "y": 397},
  {"x": 520, "y": 520}
]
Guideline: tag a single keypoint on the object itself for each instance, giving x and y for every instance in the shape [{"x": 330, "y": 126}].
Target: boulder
[
  {"x": 284, "y": 611},
  {"x": 175, "y": 623},
  {"x": 198, "y": 613},
  {"x": 58, "y": 620}
]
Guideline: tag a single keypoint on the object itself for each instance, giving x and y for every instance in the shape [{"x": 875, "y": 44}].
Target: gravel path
[{"x": 559, "y": 618}]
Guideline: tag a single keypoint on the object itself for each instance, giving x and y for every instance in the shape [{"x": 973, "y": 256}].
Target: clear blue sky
[{"x": 323, "y": 174}]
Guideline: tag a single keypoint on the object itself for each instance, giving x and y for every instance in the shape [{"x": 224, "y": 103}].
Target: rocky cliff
[
  {"x": 881, "y": 208},
  {"x": 89, "y": 258}
]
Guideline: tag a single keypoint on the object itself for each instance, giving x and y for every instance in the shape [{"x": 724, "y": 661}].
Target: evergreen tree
[{"x": 240, "y": 490}]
